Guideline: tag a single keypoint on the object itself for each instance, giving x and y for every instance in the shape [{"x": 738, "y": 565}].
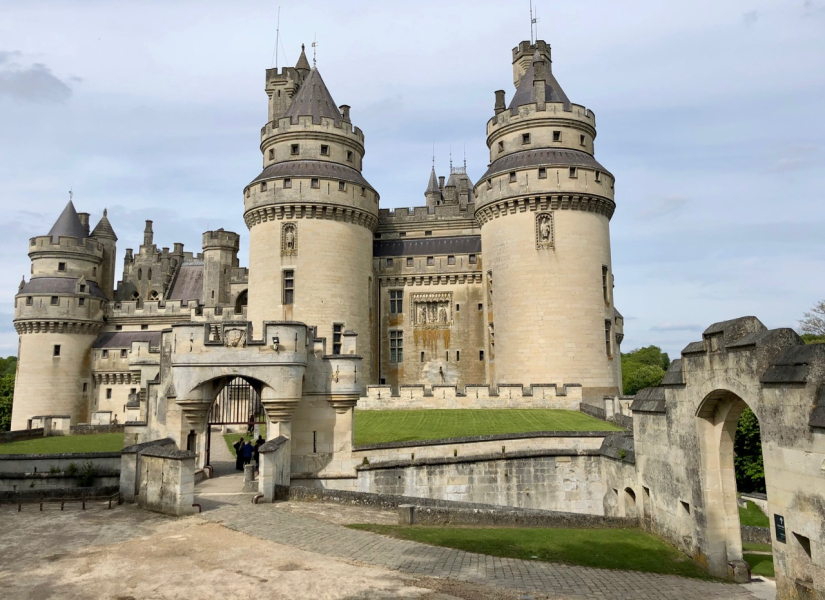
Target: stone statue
[
  {"x": 545, "y": 229},
  {"x": 422, "y": 315},
  {"x": 442, "y": 315}
]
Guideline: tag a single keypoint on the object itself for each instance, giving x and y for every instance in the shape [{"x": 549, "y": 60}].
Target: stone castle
[{"x": 416, "y": 286}]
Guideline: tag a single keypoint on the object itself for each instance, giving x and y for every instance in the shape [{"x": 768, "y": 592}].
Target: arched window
[
  {"x": 140, "y": 274},
  {"x": 150, "y": 275},
  {"x": 153, "y": 295},
  {"x": 241, "y": 302}
]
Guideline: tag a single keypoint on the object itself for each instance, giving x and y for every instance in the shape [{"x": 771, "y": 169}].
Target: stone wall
[
  {"x": 43, "y": 463},
  {"x": 167, "y": 482},
  {"x": 411, "y": 397},
  {"x": 21, "y": 435}
]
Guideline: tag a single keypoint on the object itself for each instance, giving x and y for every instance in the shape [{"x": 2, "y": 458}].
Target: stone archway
[{"x": 630, "y": 508}]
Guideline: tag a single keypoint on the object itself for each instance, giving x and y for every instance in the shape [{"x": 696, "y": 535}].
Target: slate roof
[
  {"x": 188, "y": 283},
  {"x": 58, "y": 285},
  {"x": 793, "y": 363},
  {"x": 524, "y": 92},
  {"x": 312, "y": 168},
  {"x": 303, "y": 63},
  {"x": 464, "y": 244},
  {"x": 103, "y": 229},
  {"x": 124, "y": 339},
  {"x": 543, "y": 158},
  {"x": 313, "y": 100},
  {"x": 432, "y": 186},
  {"x": 68, "y": 225}
]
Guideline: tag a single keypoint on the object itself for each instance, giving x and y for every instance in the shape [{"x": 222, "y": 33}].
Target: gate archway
[{"x": 238, "y": 403}]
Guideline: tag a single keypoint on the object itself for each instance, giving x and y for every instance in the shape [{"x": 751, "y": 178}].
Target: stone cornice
[
  {"x": 333, "y": 212},
  {"x": 508, "y": 206},
  {"x": 435, "y": 279},
  {"x": 57, "y": 326},
  {"x": 115, "y": 378}
]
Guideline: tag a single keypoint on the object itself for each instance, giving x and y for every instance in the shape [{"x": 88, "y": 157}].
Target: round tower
[
  {"x": 58, "y": 315},
  {"x": 544, "y": 208},
  {"x": 311, "y": 217}
]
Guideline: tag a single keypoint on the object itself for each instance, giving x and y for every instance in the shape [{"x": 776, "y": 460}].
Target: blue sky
[{"x": 709, "y": 114}]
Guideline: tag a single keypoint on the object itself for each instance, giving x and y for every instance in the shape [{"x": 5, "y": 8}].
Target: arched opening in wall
[
  {"x": 241, "y": 302},
  {"x": 153, "y": 295},
  {"x": 630, "y": 510},
  {"x": 730, "y": 442}
]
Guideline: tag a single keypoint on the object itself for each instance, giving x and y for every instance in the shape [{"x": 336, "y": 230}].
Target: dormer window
[
  {"x": 315, "y": 182},
  {"x": 542, "y": 172},
  {"x": 287, "y": 182},
  {"x": 512, "y": 176},
  {"x": 501, "y": 146},
  {"x": 263, "y": 186},
  {"x": 61, "y": 266},
  {"x": 525, "y": 138},
  {"x": 271, "y": 154},
  {"x": 342, "y": 186},
  {"x": 557, "y": 136},
  {"x": 295, "y": 149},
  {"x": 574, "y": 172},
  {"x": 82, "y": 288},
  {"x": 324, "y": 150}
]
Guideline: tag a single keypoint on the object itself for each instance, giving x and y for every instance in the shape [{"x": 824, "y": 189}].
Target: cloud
[
  {"x": 676, "y": 327},
  {"x": 750, "y": 18},
  {"x": 797, "y": 158},
  {"x": 33, "y": 83},
  {"x": 663, "y": 206}
]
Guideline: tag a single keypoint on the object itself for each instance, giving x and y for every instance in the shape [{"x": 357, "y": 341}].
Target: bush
[
  {"x": 87, "y": 475},
  {"x": 643, "y": 367},
  {"x": 71, "y": 470}
]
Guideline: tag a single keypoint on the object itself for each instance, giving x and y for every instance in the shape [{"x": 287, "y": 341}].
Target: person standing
[
  {"x": 247, "y": 453},
  {"x": 257, "y": 453},
  {"x": 239, "y": 446}
]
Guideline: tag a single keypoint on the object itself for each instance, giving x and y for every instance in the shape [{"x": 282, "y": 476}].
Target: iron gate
[{"x": 238, "y": 403}]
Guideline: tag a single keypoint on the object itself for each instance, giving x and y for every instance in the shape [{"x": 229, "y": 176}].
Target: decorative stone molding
[
  {"x": 116, "y": 378},
  {"x": 545, "y": 231},
  {"x": 440, "y": 279},
  {"x": 234, "y": 338},
  {"x": 311, "y": 210},
  {"x": 86, "y": 328},
  {"x": 509, "y": 206},
  {"x": 289, "y": 239},
  {"x": 432, "y": 310}
]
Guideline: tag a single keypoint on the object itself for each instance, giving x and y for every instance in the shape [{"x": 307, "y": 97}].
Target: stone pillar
[
  {"x": 273, "y": 480},
  {"x": 167, "y": 483}
]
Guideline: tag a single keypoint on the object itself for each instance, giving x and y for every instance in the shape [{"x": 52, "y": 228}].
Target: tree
[
  {"x": 643, "y": 367},
  {"x": 747, "y": 447},
  {"x": 8, "y": 366},
  {"x": 810, "y": 338},
  {"x": 6, "y": 397},
  {"x": 814, "y": 321}
]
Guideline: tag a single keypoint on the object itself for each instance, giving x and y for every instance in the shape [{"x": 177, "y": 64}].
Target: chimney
[
  {"x": 441, "y": 183},
  {"x": 500, "y": 101},
  {"x": 344, "y": 112},
  {"x": 148, "y": 235},
  {"x": 539, "y": 82},
  {"x": 84, "y": 220}
]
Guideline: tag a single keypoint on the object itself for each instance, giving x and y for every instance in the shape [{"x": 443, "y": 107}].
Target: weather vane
[{"x": 314, "y": 46}]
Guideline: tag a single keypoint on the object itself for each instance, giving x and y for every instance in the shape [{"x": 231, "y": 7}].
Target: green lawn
[
  {"x": 761, "y": 564},
  {"x": 753, "y": 516},
  {"x": 629, "y": 549},
  {"x": 379, "y": 426},
  {"x": 756, "y": 547},
  {"x": 99, "y": 442}
]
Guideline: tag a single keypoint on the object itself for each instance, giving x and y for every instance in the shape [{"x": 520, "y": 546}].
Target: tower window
[
  {"x": 557, "y": 136},
  {"x": 85, "y": 387},
  {"x": 451, "y": 260},
  {"x": 489, "y": 184},
  {"x": 525, "y": 138},
  {"x": 428, "y": 233},
  {"x": 457, "y": 356},
  {"x": 472, "y": 259},
  {"x": 55, "y": 300},
  {"x": 389, "y": 262},
  {"x": 396, "y": 302},
  {"x": 457, "y": 307},
  {"x": 581, "y": 140},
  {"x": 263, "y": 186},
  {"x": 604, "y": 285},
  {"x": 144, "y": 327},
  {"x": 287, "y": 182},
  {"x": 430, "y": 261},
  {"x": 512, "y": 176},
  {"x": 608, "y": 347},
  {"x": 247, "y": 192},
  {"x": 314, "y": 182},
  {"x": 61, "y": 266},
  {"x": 598, "y": 175},
  {"x": 295, "y": 149},
  {"x": 149, "y": 278},
  {"x": 363, "y": 191},
  {"x": 56, "y": 351},
  {"x": 542, "y": 172},
  {"x": 271, "y": 154},
  {"x": 396, "y": 346},
  {"x": 480, "y": 306},
  {"x": 337, "y": 331},
  {"x": 342, "y": 186},
  {"x": 104, "y": 354},
  {"x": 481, "y": 355},
  {"x": 289, "y": 287},
  {"x": 140, "y": 274},
  {"x": 29, "y": 300},
  {"x": 324, "y": 150},
  {"x": 574, "y": 172},
  {"x": 123, "y": 354},
  {"x": 81, "y": 301},
  {"x": 409, "y": 261},
  {"x": 501, "y": 146},
  {"x": 118, "y": 327},
  {"x": 82, "y": 288},
  {"x": 349, "y": 155},
  {"x": 108, "y": 393},
  {"x": 422, "y": 357}
]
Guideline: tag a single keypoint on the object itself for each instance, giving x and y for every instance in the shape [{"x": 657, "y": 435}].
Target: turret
[
  {"x": 106, "y": 237},
  {"x": 220, "y": 256},
  {"x": 148, "y": 234},
  {"x": 433, "y": 191}
]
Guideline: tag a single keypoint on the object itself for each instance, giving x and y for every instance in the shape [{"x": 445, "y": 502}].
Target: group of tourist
[{"x": 245, "y": 452}]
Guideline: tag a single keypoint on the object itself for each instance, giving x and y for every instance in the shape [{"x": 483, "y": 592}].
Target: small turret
[
  {"x": 148, "y": 234},
  {"x": 302, "y": 66},
  {"x": 105, "y": 235},
  {"x": 433, "y": 192}
]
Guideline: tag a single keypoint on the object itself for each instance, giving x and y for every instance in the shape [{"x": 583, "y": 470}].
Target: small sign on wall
[{"x": 779, "y": 525}]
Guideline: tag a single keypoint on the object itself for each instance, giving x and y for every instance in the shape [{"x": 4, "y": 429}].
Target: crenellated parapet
[
  {"x": 55, "y": 326},
  {"x": 329, "y": 212},
  {"x": 510, "y": 205}
]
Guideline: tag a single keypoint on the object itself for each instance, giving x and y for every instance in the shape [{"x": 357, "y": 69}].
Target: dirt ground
[{"x": 128, "y": 554}]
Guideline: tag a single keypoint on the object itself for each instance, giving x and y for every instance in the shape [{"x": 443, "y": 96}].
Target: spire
[
  {"x": 303, "y": 63},
  {"x": 103, "y": 229},
  {"x": 432, "y": 187},
  {"x": 68, "y": 225},
  {"x": 313, "y": 100}
]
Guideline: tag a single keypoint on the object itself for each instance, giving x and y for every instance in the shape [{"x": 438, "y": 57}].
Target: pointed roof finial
[
  {"x": 465, "y": 157},
  {"x": 314, "y": 46},
  {"x": 451, "y": 158},
  {"x": 303, "y": 63}
]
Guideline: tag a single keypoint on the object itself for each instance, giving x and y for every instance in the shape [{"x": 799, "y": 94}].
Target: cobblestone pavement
[{"x": 267, "y": 522}]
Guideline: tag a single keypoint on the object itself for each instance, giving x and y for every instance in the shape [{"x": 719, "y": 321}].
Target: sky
[{"x": 709, "y": 114}]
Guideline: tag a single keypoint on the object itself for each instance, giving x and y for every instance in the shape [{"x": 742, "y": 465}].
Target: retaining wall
[{"x": 413, "y": 397}]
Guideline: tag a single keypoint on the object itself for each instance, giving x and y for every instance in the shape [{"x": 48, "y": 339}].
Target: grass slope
[
  {"x": 627, "y": 549},
  {"x": 761, "y": 564},
  {"x": 99, "y": 442},
  {"x": 752, "y": 515},
  {"x": 380, "y": 426}
]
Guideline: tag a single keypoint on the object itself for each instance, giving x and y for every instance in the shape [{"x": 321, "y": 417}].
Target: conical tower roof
[
  {"x": 524, "y": 92},
  {"x": 432, "y": 186},
  {"x": 68, "y": 225},
  {"x": 303, "y": 63},
  {"x": 103, "y": 229},
  {"x": 313, "y": 100}
]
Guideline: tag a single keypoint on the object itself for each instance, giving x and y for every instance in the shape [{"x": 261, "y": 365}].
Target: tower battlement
[
  {"x": 65, "y": 244},
  {"x": 292, "y": 124}
]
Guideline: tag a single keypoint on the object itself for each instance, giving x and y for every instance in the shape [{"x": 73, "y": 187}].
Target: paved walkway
[
  {"x": 267, "y": 522},
  {"x": 225, "y": 487}
]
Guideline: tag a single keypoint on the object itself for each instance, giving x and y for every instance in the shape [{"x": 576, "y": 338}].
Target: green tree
[
  {"x": 810, "y": 338},
  {"x": 8, "y": 366},
  {"x": 6, "y": 397},
  {"x": 747, "y": 447},
  {"x": 643, "y": 367}
]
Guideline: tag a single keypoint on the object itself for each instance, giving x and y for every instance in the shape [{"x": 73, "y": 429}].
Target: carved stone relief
[
  {"x": 544, "y": 230},
  {"x": 432, "y": 310},
  {"x": 234, "y": 338},
  {"x": 289, "y": 239}
]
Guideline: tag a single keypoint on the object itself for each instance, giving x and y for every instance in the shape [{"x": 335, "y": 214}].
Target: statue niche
[
  {"x": 432, "y": 311},
  {"x": 544, "y": 230},
  {"x": 289, "y": 239}
]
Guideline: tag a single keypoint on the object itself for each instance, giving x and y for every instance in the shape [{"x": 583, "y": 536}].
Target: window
[
  {"x": 457, "y": 307},
  {"x": 472, "y": 259},
  {"x": 263, "y": 186},
  {"x": 81, "y": 301},
  {"x": 56, "y": 351},
  {"x": 108, "y": 393},
  {"x": 581, "y": 140},
  {"x": 512, "y": 176},
  {"x": 296, "y": 149},
  {"x": 501, "y": 146},
  {"x": 314, "y": 182},
  {"x": 457, "y": 356},
  {"x": 525, "y": 138},
  {"x": 140, "y": 274},
  {"x": 118, "y": 327},
  {"x": 337, "y": 331},
  {"x": 324, "y": 150},
  {"x": 402, "y": 234},
  {"x": 598, "y": 175},
  {"x": 428, "y": 233},
  {"x": 451, "y": 260},
  {"x": 409, "y": 261},
  {"x": 481, "y": 355},
  {"x": 82, "y": 289},
  {"x": 480, "y": 306},
  {"x": 271, "y": 154},
  {"x": 430, "y": 261},
  {"x": 55, "y": 300},
  {"x": 85, "y": 387},
  {"x": 149, "y": 278},
  {"x": 489, "y": 183},
  {"x": 363, "y": 191},
  {"x": 29, "y": 300},
  {"x": 349, "y": 155},
  {"x": 389, "y": 262},
  {"x": 607, "y": 345},
  {"x": 342, "y": 186},
  {"x": 124, "y": 354},
  {"x": 289, "y": 287},
  {"x": 542, "y": 172},
  {"x": 422, "y": 357},
  {"x": 144, "y": 327},
  {"x": 447, "y": 356},
  {"x": 685, "y": 506},
  {"x": 557, "y": 136},
  {"x": 396, "y": 346},
  {"x": 396, "y": 302},
  {"x": 604, "y": 285},
  {"x": 287, "y": 182},
  {"x": 104, "y": 354},
  {"x": 94, "y": 270},
  {"x": 574, "y": 172},
  {"x": 61, "y": 266}
]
